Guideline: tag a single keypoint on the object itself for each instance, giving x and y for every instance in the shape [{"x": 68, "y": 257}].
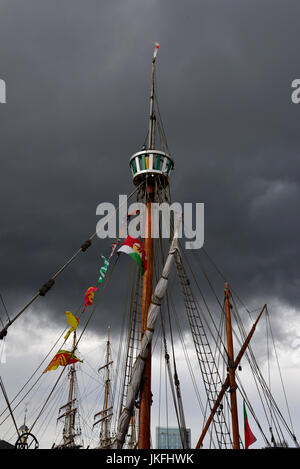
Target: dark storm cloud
[{"x": 77, "y": 76}]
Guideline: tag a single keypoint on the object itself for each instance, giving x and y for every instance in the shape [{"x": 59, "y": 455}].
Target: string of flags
[{"x": 131, "y": 246}]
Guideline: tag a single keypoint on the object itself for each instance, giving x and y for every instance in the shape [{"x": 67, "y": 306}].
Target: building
[{"x": 169, "y": 438}]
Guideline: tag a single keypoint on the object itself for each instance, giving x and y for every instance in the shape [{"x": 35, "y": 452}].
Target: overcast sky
[{"x": 77, "y": 75}]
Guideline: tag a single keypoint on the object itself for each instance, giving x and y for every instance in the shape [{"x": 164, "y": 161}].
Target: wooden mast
[
  {"x": 231, "y": 371},
  {"x": 145, "y": 392},
  {"x": 226, "y": 383}
]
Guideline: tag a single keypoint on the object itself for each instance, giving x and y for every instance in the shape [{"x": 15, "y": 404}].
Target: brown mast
[
  {"x": 151, "y": 167},
  {"x": 145, "y": 392},
  {"x": 231, "y": 371}
]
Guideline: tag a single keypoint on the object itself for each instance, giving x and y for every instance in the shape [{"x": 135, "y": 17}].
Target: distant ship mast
[
  {"x": 69, "y": 411},
  {"x": 105, "y": 415}
]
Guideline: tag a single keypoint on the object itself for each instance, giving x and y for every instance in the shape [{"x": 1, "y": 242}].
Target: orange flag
[
  {"x": 89, "y": 296},
  {"x": 62, "y": 358}
]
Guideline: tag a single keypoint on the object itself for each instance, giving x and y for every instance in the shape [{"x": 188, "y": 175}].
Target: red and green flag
[
  {"x": 249, "y": 437},
  {"x": 135, "y": 249}
]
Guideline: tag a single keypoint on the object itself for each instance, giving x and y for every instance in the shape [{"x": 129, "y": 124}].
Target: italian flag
[
  {"x": 249, "y": 437},
  {"x": 135, "y": 249}
]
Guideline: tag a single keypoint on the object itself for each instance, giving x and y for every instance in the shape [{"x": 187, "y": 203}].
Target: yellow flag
[{"x": 72, "y": 321}]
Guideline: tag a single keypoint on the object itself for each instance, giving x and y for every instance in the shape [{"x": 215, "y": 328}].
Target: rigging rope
[
  {"x": 264, "y": 387},
  {"x": 27, "y": 382},
  {"x": 46, "y": 287},
  {"x": 5, "y": 309},
  {"x": 167, "y": 365},
  {"x": 277, "y": 360},
  {"x": 107, "y": 278},
  {"x": 249, "y": 312}
]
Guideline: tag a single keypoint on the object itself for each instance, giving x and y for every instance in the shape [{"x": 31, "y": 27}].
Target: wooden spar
[
  {"x": 68, "y": 412},
  {"x": 104, "y": 366},
  {"x": 231, "y": 371},
  {"x": 102, "y": 411},
  {"x": 103, "y": 419},
  {"x": 226, "y": 383},
  {"x": 145, "y": 393},
  {"x": 67, "y": 404}
]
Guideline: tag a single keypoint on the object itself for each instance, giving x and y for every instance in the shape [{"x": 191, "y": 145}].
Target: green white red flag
[
  {"x": 135, "y": 249},
  {"x": 249, "y": 437}
]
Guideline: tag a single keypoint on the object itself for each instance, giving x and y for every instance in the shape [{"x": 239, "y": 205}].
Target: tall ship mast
[
  {"x": 172, "y": 304},
  {"x": 152, "y": 167}
]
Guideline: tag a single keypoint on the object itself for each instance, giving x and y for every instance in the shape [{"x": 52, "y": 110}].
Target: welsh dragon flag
[
  {"x": 135, "y": 249},
  {"x": 249, "y": 437},
  {"x": 62, "y": 358}
]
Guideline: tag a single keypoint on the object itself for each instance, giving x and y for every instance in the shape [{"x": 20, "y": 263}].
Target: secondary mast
[{"x": 231, "y": 371}]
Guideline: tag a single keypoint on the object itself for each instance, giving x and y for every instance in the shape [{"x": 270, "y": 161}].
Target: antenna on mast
[
  {"x": 151, "y": 133},
  {"x": 155, "y": 51}
]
